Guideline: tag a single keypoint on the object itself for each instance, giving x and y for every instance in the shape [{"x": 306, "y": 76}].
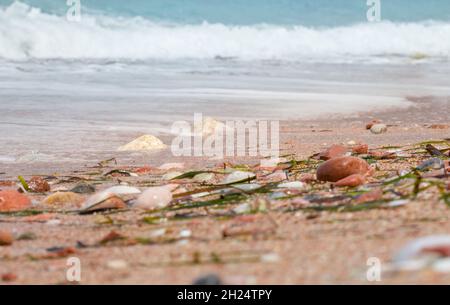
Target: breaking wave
[{"x": 28, "y": 33}]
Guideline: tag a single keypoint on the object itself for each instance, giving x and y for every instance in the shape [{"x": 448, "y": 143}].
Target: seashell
[
  {"x": 123, "y": 190},
  {"x": 154, "y": 198},
  {"x": 237, "y": 176},
  {"x": 292, "y": 185},
  {"x": 419, "y": 246},
  {"x": 103, "y": 201},
  {"x": 167, "y": 166}
]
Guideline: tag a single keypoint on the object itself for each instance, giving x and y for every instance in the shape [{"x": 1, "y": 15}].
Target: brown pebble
[
  {"x": 373, "y": 122},
  {"x": 360, "y": 149},
  {"x": 373, "y": 195},
  {"x": 333, "y": 151},
  {"x": 38, "y": 185},
  {"x": 6, "y": 238},
  {"x": 9, "y": 277},
  {"x": 13, "y": 201},
  {"x": 338, "y": 168},
  {"x": 351, "y": 181},
  {"x": 438, "y": 126}
]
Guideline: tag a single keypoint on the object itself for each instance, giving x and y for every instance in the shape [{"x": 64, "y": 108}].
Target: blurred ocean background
[{"x": 133, "y": 67}]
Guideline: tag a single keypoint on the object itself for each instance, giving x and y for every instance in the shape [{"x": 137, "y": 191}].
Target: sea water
[{"x": 134, "y": 67}]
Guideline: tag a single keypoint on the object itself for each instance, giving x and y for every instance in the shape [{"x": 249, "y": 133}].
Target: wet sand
[{"x": 298, "y": 247}]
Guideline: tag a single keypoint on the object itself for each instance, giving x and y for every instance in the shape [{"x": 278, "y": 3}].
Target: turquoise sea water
[{"x": 247, "y": 12}]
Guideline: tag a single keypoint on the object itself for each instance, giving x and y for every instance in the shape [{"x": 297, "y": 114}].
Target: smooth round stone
[
  {"x": 333, "y": 151},
  {"x": 64, "y": 199},
  {"x": 339, "y": 168},
  {"x": 360, "y": 149},
  {"x": 378, "y": 129},
  {"x": 154, "y": 198},
  {"x": 6, "y": 238},
  {"x": 83, "y": 188},
  {"x": 13, "y": 201},
  {"x": 351, "y": 181}
]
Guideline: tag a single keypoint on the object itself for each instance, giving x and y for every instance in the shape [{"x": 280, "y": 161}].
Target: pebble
[
  {"x": 360, "y": 149},
  {"x": 351, "y": 181},
  {"x": 117, "y": 264},
  {"x": 373, "y": 122},
  {"x": 154, "y": 198},
  {"x": 378, "y": 129},
  {"x": 339, "y": 168},
  {"x": 38, "y": 185},
  {"x": 64, "y": 199},
  {"x": 373, "y": 195},
  {"x": 210, "y": 279},
  {"x": 6, "y": 238},
  {"x": 9, "y": 277},
  {"x": 433, "y": 163},
  {"x": 333, "y": 151},
  {"x": 143, "y": 143},
  {"x": 83, "y": 188},
  {"x": 13, "y": 201}
]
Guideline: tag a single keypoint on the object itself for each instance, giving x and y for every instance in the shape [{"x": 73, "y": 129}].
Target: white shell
[
  {"x": 123, "y": 190},
  {"x": 292, "y": 185},
  {"x": 237, "y": 176},
  {"x": 414, "y": 248},
  {"x": 167, "y": 166},
  {"x": 154, "y": 198}
]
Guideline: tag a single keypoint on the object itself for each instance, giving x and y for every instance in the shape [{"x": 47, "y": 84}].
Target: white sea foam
[{"x": 26, "y": 32}]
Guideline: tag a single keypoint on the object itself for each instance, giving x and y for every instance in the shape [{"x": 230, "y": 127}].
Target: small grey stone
[
  {"x": 210, "y": 279},
  {"x": 83, "y": 188},
  {"x": 378, "y": 128}
]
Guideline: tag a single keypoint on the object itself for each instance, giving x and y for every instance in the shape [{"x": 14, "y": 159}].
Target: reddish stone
[
  {"x": 307, "y": 178},
  {"x": 443, "y": 250},
  {"x": 143, "y": 170},
  {"x": 373, "y": 195},
  {"x": 439, "y": 126},
  {"x": 38, "y": 185},
  {"x": 382, "y": 155},
  {"x": 360, "y": 149},
  {"x": 6, "y": 238},
  {"x": 13, "y": 201},
  {"x": 352, "y": 181},
  {"x": 333, "y": 151},
  {"x": 373, "y": 122},
  {"x": 339, "y": 168},
  {"x": 9, "y": 277}
]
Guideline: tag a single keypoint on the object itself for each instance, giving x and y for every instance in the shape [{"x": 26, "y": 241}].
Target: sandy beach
[{"x": 284, "y": 243}]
